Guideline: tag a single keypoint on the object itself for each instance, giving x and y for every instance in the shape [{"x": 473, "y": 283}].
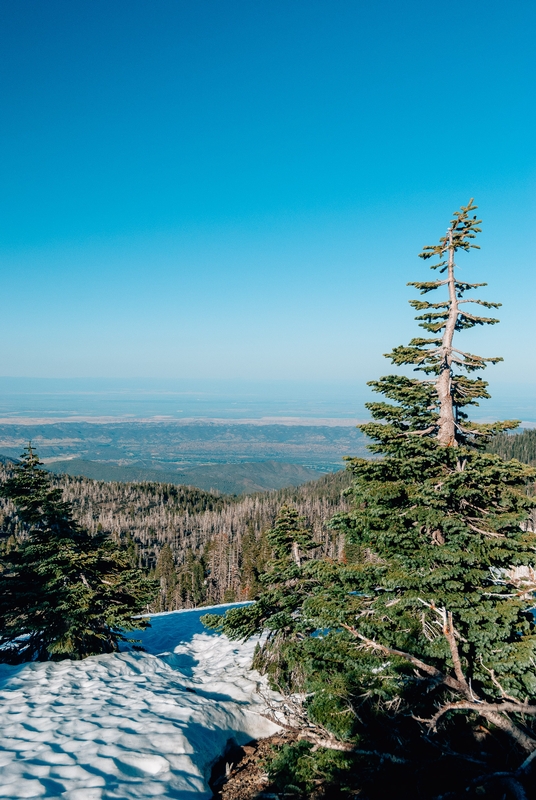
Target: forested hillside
[
  {"x": 205, "y": 548},
  {"x": 242, "y": 478},
  {"x": 521, "y": 446}
]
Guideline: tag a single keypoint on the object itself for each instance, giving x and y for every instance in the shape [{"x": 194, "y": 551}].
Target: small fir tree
[
  {"x": 63, "y": 592},
  {"x": 283, "y": 587}
]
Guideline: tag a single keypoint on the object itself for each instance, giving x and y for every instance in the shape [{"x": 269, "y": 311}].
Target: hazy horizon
[
  {"x": 205, "y": 191},
  {"x": 137, "y": 399}
]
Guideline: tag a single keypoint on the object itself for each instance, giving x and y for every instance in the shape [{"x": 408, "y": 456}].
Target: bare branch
[
  {"x": 448, "y": 631},
  {"x": 527, "y": 762},
  {"x": 496, "y": 714},
  {"x": 390, "y": 651},
  {"x": 491, "y": 534},
  {"x": 494, "y": 708},
  {"x": 497, "y": 684},
  {"x": 419, "y": 433}
]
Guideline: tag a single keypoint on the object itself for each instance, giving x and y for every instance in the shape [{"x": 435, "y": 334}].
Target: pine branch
[
  {"x": 427, "y": 286},
  {"x": 480, "y": 303},
  {"x": 465, "y": 287},
  {"x": 500, "y": 708},
  {"x": 420, "y": 305},
  {"x": 418, "y": 341},
  {"x": 479, "y": 320}
]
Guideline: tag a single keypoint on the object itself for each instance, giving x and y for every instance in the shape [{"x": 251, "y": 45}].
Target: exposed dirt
[{"x": 240, "y": 775}]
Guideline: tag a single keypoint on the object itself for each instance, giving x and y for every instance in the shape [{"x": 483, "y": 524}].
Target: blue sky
[{"x": 239, "y": 190}]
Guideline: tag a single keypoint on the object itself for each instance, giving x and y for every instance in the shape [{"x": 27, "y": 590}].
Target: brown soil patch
[{"x": 241, "y": 776}]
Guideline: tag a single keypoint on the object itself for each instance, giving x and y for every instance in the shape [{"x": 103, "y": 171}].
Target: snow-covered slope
[{"x": 131, "y": 724}]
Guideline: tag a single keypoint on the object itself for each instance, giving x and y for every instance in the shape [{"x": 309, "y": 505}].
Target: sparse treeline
[{"x": 202, "y": 547}]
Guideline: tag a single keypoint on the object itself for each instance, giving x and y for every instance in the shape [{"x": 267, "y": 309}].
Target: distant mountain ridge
[{"x": 243, "y": 478}]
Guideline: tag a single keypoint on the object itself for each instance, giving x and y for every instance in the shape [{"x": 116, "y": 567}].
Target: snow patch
[{"x": 130, "y": 724}]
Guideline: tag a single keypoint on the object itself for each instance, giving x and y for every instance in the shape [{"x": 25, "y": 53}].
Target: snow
[{"x": 130, "y": 724}]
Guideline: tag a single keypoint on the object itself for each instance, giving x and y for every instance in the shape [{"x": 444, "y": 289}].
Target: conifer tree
[
  {"x": 428, "y": 629},
  {"x": 63, "y": 592},
  {"x": 191, "y": 581},
  {"x": 166, "y": 574},
  {"x": 439, "y": 522},
  {"x": 254, "y": 556}
]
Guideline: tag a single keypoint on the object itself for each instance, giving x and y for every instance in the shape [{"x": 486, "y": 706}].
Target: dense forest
[
  {"x": 204, "y": 548},
  {"x": 521, "y": 446}
]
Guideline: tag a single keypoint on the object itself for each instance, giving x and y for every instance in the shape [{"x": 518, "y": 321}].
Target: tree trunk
[
  {"x": 447, "y": 424},
  {"x": 505, "y": 724}
]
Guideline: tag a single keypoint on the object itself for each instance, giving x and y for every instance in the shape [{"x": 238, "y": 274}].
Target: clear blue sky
[{"x": 239, "y": 189}]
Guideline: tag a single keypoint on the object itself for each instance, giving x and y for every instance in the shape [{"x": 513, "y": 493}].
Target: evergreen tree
[
  {"x": 166, "y": 574},
  {"x": 428, "y": 631},
  {"x": 192, "y": 589},
  {"x": 254, "y": 557},
  {"x": 439, "y": 522},
  {"x": 521, "y": 446},
  {"x": 63, "y": 592}
]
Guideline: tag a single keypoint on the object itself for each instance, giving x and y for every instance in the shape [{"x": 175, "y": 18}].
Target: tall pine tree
[
  {"x": 166, "y": 573},
  {"x": 63, "y": 592},
  {"x": 191, "y": 581},
  {"x": 428, "y": 630},
  {"x": 439, "y": 522}
]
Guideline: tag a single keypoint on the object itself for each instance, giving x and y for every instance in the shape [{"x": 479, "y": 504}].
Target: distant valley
[{"x": 233, "y": 458}]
